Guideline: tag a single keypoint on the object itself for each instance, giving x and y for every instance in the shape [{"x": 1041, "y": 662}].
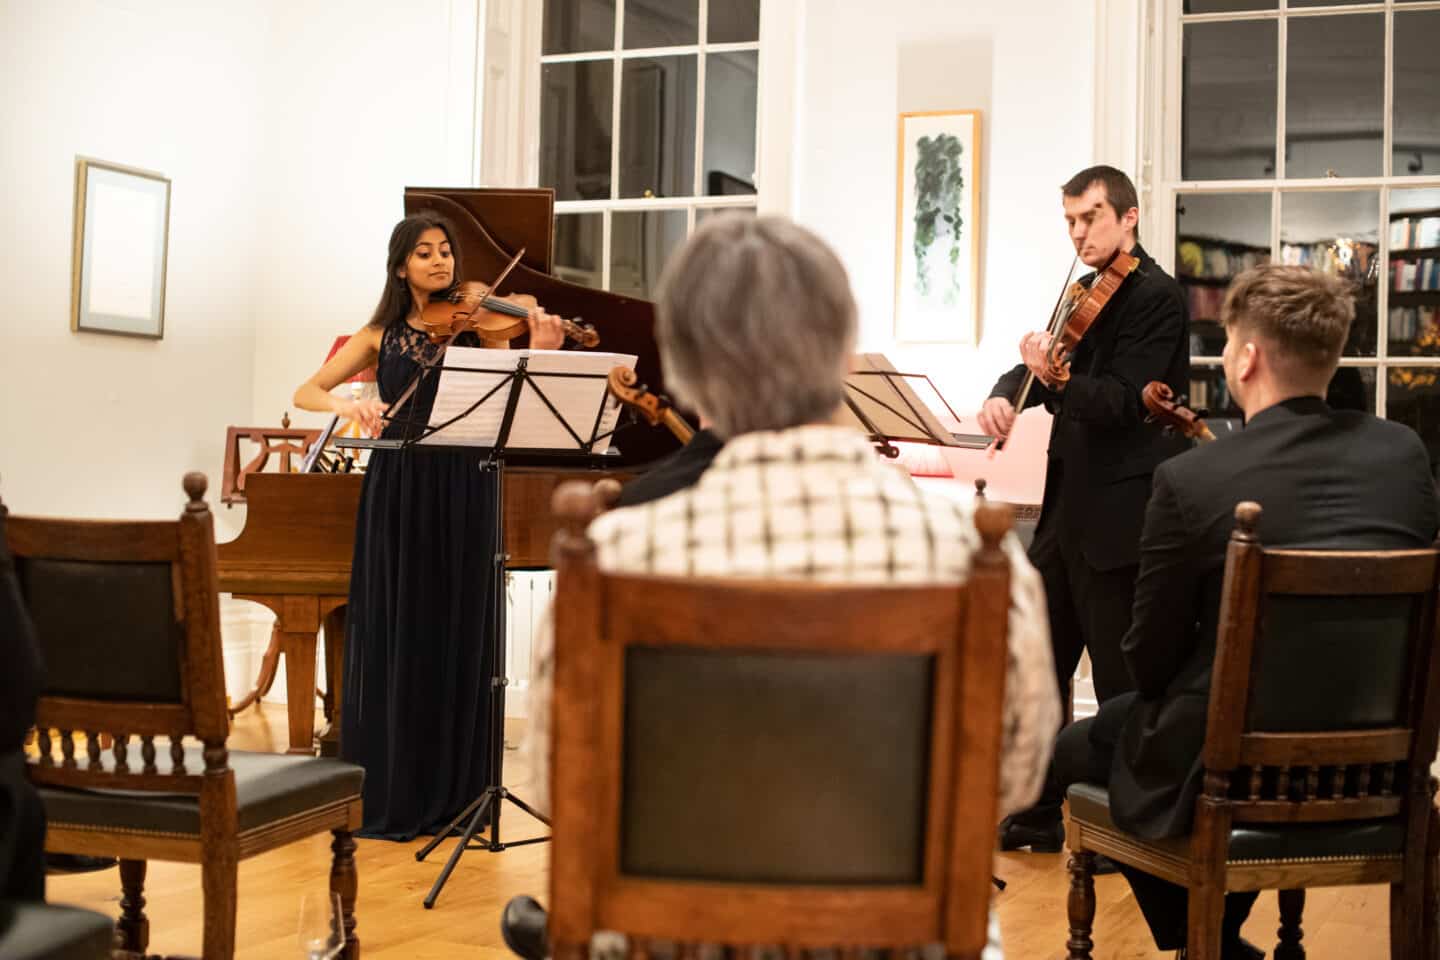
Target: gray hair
[{"x": 756, "y": 324}]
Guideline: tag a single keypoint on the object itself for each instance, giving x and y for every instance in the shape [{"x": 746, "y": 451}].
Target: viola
[
  {"x": 1168, "y": 410},
  {"x": 626, "y": 388},
  {"x": 475, "y": 307},
  {"x": 1076, "y": 311}
]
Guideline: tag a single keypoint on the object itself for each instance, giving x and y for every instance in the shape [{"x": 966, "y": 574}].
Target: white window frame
[
  {"x": 1161, "y": 153},
  {"x": 694, "y": 202}
]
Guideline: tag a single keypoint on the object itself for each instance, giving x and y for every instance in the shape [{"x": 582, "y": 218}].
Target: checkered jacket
[{"x": 815, "y": 503}]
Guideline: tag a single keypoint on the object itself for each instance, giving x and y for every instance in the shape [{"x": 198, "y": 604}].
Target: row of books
[
  {"x": 1340, "y": 257},
  {"x": 1415, "y": 232},
  {"x": 1407, "y": 275},
  {"x": 1415, "y": 325},
  {"x": 1204, "y": 302},
  {"x": 1211, "y": 259}
]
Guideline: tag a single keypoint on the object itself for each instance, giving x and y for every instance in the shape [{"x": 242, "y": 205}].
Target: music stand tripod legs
[{"x": 491, "y": 799}]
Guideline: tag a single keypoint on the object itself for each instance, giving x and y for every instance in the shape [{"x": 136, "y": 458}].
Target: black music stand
[
  {"x": 882, "y": 403},
  {"x": 510, "y": 391}
]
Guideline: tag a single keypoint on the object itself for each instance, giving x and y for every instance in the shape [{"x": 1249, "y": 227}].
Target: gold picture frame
[
  {"x": 121, "y": 249},
  {"x": 937, "y": 227}
]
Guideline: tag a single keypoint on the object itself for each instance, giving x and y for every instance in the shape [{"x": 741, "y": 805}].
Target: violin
[
  {"x": 626, "y": 388},
  {"x": 475, "y": 306},
  {"x": 1077, "y": 309},
  {"x": 1166, "y": 409}
]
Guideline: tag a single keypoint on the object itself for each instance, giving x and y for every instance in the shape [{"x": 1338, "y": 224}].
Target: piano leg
[
  {"x": 269, "y": 663},
  {"x": 299, "y": 650},
  {"x": 334, "y": 671}
]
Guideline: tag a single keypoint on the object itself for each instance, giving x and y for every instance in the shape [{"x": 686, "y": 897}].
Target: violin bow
[{"x": 1029, "y": 380}]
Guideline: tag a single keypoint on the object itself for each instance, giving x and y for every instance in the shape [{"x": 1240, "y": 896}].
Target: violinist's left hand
[
  {"x": 1035, "y": 351},
  {"x": 546, "y": 333}
]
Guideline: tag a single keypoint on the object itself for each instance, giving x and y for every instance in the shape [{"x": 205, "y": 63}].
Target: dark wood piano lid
[{"x": 492, "y": 225}]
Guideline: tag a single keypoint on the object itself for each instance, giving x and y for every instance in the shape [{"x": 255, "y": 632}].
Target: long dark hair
[{"x": 395, "y": 300}]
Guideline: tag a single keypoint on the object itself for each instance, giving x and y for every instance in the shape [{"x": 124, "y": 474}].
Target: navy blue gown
[{"x": 418, "y": 655}]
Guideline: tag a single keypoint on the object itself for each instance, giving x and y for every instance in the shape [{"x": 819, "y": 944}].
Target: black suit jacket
[
  {"x": 1325, "y": 479},
  {"x": 1102, "y": 451},
  {"x": 673, "y": 472}
]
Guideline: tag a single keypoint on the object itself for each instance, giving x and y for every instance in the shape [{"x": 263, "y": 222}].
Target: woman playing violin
[
  {"x": 1102, "y": 452},
  {"x": 415, "y": 708}
]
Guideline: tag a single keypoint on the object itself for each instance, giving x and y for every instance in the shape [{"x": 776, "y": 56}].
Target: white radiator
[{"x": 527, "y": 594}]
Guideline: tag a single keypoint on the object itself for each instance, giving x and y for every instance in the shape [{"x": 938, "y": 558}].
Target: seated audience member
[
  {"x": 22, "y": 818},
  {"x": 1327, "y": 479},
  {"x": 756, "y": 327}
]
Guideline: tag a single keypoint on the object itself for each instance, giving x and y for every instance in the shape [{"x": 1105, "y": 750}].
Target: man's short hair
[
  {"x": 1119, "y": 188},
  {"x": 756, "y": 324},
  {"x": 1305, "y": 316}
]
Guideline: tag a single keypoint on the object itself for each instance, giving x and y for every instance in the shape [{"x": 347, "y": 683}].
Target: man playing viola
[{"x": 1101, "y": 454}]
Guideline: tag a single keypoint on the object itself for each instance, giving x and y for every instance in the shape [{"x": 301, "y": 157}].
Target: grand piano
[{"x": 293, "y": 555}]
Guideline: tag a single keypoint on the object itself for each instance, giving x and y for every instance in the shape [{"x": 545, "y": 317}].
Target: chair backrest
[
  {"x": 128, "y": 619},
  {"x": 1325, "y": 696},
  {"x": 774, "y": 762}
]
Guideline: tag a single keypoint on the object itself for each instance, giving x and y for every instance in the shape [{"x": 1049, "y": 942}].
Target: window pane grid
[
  {"x": 1395, "y": 363},
  {"x": 651, "y": 224}
]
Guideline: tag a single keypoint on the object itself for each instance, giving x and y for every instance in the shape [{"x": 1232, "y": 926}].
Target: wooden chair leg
[
  {"x": 1431, "y": 945},
  {"x": 1081, "y": 905},
  {"x": 344, "y": 881},
  {"x": 133, "y": 926},
  {"x": 1207, "y": 916},
  {"x": 1292, "y": 906},
  {"x": 219, "y": 882}
]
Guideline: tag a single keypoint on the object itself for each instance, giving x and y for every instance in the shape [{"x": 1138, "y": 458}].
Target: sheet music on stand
[
  {"x": 888, "y": 405},
  {"x": 535, "y": 401}
]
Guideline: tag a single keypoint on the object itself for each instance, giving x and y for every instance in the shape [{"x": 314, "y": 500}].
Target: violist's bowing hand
[
  {"x": 367, "y": 413},
  {"x": 546, "y": 332},
  {"x": 996, "y": 417}
]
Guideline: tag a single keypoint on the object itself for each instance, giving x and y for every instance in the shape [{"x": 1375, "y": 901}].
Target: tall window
[
  {"x": 647, "y": 126},
  {"x": 1308, "y": 132}
]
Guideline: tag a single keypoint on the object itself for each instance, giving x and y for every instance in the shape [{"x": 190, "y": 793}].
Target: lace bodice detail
[{"x": 403, "y": 350}]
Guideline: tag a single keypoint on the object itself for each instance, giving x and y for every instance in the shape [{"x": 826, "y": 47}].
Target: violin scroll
[
  {"x": 626, "y": 388},
  {"x": 1170, "y": 411}
]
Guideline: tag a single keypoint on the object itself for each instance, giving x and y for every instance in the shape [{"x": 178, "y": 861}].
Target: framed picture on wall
[
  {"x": 122, "y": 232},
  {"x": 937, "y": 233}
]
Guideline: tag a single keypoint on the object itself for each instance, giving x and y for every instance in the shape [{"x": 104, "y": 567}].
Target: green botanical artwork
[{"x": 938, "y": 186}]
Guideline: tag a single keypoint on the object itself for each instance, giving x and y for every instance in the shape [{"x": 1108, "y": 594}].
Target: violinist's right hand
[
  {"x": 997, "y": 416},
  {"x": 367, "y": 413}
]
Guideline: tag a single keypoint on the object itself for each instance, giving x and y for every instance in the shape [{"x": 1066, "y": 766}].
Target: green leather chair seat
[
  {"x": 268, "y": 787},
  {"x": 41, "y": 931},
  {"x": 1255, "y": 841}
]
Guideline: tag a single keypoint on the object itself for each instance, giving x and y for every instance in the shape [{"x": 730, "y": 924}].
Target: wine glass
[{"x": 322, "y": 926}]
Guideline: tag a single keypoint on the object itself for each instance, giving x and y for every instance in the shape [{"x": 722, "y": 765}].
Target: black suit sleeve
[
  {"x": 1167, "y": 596},
  {"x": 19, "y": 659},
  {"x": 1144, "y": 349},
  {"x": 1009, "y": 385}
]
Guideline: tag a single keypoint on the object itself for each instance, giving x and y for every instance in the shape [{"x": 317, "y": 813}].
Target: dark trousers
[
  {"x": 1089, "y": 609},
  {"x": 22, "y": 833},
  {"x": 1084, "y": 752}
]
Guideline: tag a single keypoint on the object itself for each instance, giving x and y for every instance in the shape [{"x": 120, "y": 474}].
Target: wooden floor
[{"x": 1340, "y": 924}]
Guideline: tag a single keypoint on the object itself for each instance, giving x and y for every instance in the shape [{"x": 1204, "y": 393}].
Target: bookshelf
[
  {"x": 1414, "y": 278},
  {"x": 1204, "y": 267}
]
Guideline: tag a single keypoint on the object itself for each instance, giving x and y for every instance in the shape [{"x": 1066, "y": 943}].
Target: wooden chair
[
  {"x": 1323, "y": 718},
  {"x": 750, "y": 762},
  {"x": 128, "y": 620}
]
